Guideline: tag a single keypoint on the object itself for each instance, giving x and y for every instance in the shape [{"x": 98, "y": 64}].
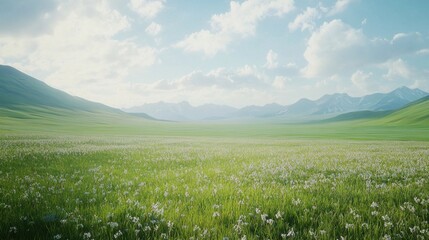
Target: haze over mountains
[
  {"x": 324, "y": 107},
  {"x": 22, "y": 96}
]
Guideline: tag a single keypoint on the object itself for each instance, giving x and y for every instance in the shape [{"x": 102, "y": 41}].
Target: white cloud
[
  {"x": 81, "y": 53},
  {"x": 205, "y": 41},
  {"x": 361, "y": 79},
  {"x": 424, "y": 51},
  {"x": 147, "y": 8},
  {"x": 237, "y": 87},
  {"x": 350, "y": 49},
  {"x": 326, "y": 54},
  {"x": 272, "y": 60},
  {"x": 243, "y": 17},
  {"x": 396, "y": 69},
  {"x": 305, "y": 20},
  {"x": 239, "y": 22},
  {"x": 340, "y": 6},
  {"x": 220, "y": 78},
  {"x": 280, "y": 82},
  {"x": 153, "y": 29},
  {"x": 291, "y": 65}
]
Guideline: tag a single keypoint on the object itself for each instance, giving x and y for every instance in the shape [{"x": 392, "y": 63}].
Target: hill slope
[
  {"x": 19, "y": 90},
  {"x": 28, "y": 104},
  {"x": 359, "y": 115},
  {"x": 415, "y": 113}
]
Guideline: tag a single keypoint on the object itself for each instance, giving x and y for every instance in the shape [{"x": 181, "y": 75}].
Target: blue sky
[{"x": 129, "y": 52}]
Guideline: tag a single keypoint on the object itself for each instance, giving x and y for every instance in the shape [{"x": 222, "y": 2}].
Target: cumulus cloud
[
  {"x": 153, "y": 29},
  {"x": 239, "y": 22},
  {"x": 280, "y": 82},
  {"x": 147, "y": 9},
  {"x": 237, "y": 87},
  {"x": 326, "y": 54},
  {"x": 305, "y": 20},
  {"x": 351, "y": 49},
  {"x": 220, "y": 78},
  {"x": 396, "y": 69},
  {"x": 272, "y": 60},
  {"x": 205, "y": 41},
  {"x": 361, "y": 79},
  {"x": 80, "y": 51},
  {"x": 340, "y": 6}
]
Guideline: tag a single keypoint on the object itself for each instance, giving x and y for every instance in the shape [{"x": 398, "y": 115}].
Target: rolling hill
[
  {"x": 358, "y": 115},
  {"x": 19, "y": 90},
  {"x": 414, "y": 113},
  {"x": 28, "y": 103}
]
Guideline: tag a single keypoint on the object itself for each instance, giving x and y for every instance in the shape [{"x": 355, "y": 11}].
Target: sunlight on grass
[{"x": 204, "y": 188}]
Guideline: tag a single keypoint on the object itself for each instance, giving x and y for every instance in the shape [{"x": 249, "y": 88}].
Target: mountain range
[
  {"x": 325, "y": 107},
  {"x": 183, "y": 111},
  {"x": 26, "y": 100}
]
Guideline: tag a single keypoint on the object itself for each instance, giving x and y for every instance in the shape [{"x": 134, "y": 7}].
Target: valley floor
[{"x": 159, "y": 187}]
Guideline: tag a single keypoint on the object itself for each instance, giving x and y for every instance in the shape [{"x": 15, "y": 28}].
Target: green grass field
[
  {"x": 68, "y": 174},
  {"x": 53, "y": 121},
  {"x": 82, "y": 187}
]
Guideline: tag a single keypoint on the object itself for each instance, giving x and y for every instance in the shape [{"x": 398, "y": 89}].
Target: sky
[{"x": 125, "y": 53}]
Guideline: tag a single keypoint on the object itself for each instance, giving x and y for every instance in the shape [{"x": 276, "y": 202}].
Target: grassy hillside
[
  {"x": 51, "y": 121},
  {"x": 358, "y": 115},
  {"x": 413, "y": 114},
  {"x": 18, "y": 89},
  {"x": 416, "y": 113}
]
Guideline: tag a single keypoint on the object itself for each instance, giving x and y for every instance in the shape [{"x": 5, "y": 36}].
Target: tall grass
[{"x": 206, "y": 188}]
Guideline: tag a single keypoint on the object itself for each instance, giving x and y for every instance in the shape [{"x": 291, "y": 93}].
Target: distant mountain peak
[{"x": 329, "y": 104}]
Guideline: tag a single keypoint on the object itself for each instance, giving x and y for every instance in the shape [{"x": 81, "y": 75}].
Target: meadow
[{"x": 195, "y": 187}]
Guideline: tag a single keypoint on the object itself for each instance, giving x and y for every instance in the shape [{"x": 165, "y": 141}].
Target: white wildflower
[
  {"x": 118, "y": 234},
  {"x": 291, "y": 233},
  {"x": 87, "y": 235},
  {"x": 350, "y": 225}
]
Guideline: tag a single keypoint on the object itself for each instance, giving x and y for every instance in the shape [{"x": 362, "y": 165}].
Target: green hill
[
  {"x": 30, "y": 105},
  {"x": 18, "y": 90},
  {"x": 415, "y": 113},
  {"x": 358, "y": 115}
]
